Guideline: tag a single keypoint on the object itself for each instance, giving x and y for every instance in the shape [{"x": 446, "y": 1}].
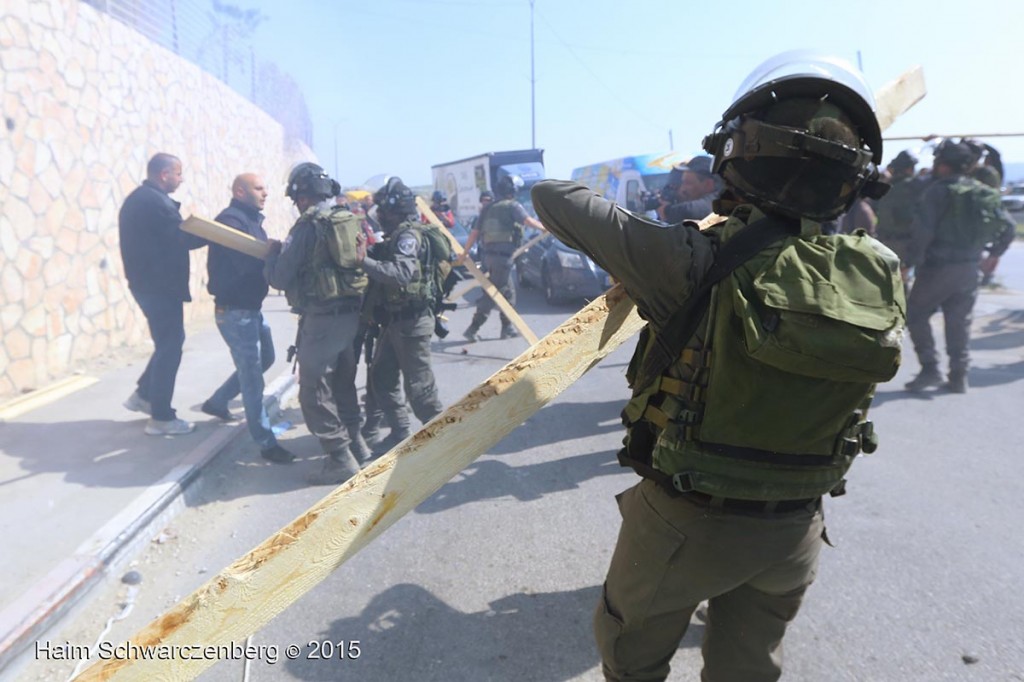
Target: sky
[{"x": 396, "y": 86}]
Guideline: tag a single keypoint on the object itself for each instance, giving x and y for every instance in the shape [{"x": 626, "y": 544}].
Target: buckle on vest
[{"x": 683, "y": 482}]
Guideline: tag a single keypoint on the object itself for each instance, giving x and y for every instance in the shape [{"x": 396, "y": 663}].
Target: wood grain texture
[
  {"x": 258, "y": 586},
  {"x": 221, "y": 234}
]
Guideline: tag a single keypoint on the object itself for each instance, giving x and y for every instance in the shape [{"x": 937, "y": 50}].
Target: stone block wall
[{"x": 86, "y": 101}]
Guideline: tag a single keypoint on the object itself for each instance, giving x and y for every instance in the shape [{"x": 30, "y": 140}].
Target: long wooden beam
[
  {"x": 227, "y": 236},
  {"x": 480, "y": 277},
  {"x": 255, "y": 588}
]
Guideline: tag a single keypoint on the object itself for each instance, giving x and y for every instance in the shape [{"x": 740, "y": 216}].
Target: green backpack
[
  {"x": 335, "y": 272},
  {"x": 974, "y": 219},
  {"x": 499, "y": 224}
]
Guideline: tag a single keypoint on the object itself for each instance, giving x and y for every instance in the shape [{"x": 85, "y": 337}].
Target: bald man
[{"x": 238, "y": 287}]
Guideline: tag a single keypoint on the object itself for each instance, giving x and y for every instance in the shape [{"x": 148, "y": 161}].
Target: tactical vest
[
  {"x": 499, "y": 226},
  {"x": 973, "y": 218},
  {"x": 768, "y": 401},
  {"x": 333, "y": 273},
  {"x": 434, "y": 255},
  {"x": 896, "y": 209}
]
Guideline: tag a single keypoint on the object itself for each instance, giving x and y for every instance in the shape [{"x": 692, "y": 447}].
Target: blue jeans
[
  {"x": 252, "y": 349},
  {"x": 165, "y": 315}
]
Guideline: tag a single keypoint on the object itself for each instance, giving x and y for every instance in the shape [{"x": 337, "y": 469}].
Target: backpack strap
[{"x": 670, "y": 340}]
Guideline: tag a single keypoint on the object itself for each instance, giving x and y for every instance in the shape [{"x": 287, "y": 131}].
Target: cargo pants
[
  {"x": 953, "y": 288},
  {"x": 672, "y": 554},
  {"x": 327, "y": 377}
]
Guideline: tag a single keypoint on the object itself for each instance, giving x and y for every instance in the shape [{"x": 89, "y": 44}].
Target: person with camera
[
  {"x": 749, "y": 395},
  {"x": 500, "y": 232},
  {"x": 407, "y": 271},
  {"x": 688, "y": 194},
  {"x": 441, "y": 208}
]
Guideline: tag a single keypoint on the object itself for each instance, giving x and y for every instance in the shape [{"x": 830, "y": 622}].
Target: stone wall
[{"x": 86, "y": 102}]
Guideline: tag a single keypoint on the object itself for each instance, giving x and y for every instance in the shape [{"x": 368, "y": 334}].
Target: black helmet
[
  {"x": 800, "y": 107},
  {"x": 394, "y": 196},
  {"x": 309, "y": 179},
  {"x": 508, "y": 185},
  {"x": 904, "y": 160},
  {"x": 438, "y": 197},
  {"x": 957, "y": 155},
  {"x": 487, "y": 194}
]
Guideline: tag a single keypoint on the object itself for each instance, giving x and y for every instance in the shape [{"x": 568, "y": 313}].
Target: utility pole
[{"x": 533, "y": 88}]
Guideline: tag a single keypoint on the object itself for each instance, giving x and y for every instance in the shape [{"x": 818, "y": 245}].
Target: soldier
[
  {"x": 500, "y": 231},
  {"x": 318, "y": 269},
  {"x": 406, "y": 273},
  {"x": 749, "y": 395},
  {"x": 895, "y": 211},
  {"x": 958, "y": 220}
]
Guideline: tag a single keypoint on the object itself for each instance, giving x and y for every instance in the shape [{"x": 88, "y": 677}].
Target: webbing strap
[{"x": 741, "y": 247}]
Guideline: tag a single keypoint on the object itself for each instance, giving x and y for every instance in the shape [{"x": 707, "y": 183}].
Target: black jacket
[
  {"x": 236, "y": 280},
  {"x": 154, "y": 250}
]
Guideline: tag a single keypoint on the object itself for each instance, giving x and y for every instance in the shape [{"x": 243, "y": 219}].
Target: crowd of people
[{"x": 767, "y": 334}]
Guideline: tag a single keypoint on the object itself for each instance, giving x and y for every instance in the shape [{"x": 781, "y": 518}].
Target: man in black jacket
[
  {"x": 239, "y": 287},
  {"x": 154, "y": 252}
]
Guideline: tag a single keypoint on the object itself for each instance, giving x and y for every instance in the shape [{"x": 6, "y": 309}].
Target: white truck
[
  {"x": 462, "y": 181},
  {"x": 623, "y": 180}
]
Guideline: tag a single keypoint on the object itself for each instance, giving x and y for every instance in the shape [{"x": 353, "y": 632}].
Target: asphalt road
[{"x": 495, "y": 577}]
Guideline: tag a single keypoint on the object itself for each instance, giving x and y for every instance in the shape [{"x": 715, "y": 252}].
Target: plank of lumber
[
  {"x": 219, "y": 233},
  {"x": 258, "y": 586},
  {"x": 480, "y": 277},
  {"x": 255, "y": 588},
  {"x": 898, "y": 95}
]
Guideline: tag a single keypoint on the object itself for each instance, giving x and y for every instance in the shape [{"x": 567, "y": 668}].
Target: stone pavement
[{"x": 79, "y": 480}]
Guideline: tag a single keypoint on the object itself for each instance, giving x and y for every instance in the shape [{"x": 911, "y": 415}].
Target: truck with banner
[{"x": 462, "y": 181}]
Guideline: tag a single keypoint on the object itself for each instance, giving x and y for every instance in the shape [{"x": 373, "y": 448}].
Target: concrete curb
[{"x": 37, "y": 610}]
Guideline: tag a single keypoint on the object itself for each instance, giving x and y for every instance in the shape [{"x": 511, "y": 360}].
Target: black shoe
[
  {"x": 509, "y": 332},
  {"x": 471, "y": 335},
  {"x": 391, "y": 441},
  {"x": 957, "y": 383},
  {"x": 928, "y": 377},
  {"x": 359, "y": 449},
  {"x": 221, "y": 413},
  {"x": 338, "y": 467},
  {"x": 278, "y": 455}
]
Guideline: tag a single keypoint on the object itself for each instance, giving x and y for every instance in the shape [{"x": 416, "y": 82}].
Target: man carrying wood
[
  {"x": 238, "y": 287},
  {"x": 751, "y": 383}
]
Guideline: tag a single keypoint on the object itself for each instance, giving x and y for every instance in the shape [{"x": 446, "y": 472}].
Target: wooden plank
[
  {"x": 480, "y": 277},
  {"x": 255, "y": 588},
  {"x": 897, "y": 96},
  {"x": 221, "y": 234}
]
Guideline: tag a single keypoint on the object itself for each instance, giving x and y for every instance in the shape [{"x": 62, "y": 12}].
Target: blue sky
[{"x": 401, "y": 85}]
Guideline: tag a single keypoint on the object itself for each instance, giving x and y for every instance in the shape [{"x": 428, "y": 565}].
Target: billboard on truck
[
  {"x": 622, "y": 180},
  {"x": 463, "y": 180}
]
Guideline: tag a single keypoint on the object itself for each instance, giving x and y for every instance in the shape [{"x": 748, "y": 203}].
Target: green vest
[
  {"x": 768, "y": 400},
  {"x": 333, "y": 273},
  {"x": 973, "y": 218},
  {"x": 896, "y": 210},
  {"x": 434, "y": 255},
  {"x": 498, "y": 224}
]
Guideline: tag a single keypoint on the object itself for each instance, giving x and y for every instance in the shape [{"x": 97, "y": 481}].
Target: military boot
[
  {"x": 928, "y": 377},
  {"x": 357, "y": 445},
  {"x": 339, "y": 466},
  {"x": 508, "y": 331},
  {"x": 371, "y": 428},
  {"x": 474, "y": 327},
  {"x": 957, "y": 382},
  {"x": 400, "y": 430}
]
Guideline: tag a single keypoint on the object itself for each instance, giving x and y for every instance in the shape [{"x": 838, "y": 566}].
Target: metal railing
[{"x": 215, "y": 36}]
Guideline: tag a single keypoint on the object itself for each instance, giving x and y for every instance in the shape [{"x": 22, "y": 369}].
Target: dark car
[{"x": 562, "y": 273}]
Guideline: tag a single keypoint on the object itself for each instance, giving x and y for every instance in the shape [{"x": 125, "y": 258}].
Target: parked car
[
  {"x": 560, "y": 272},
  {"x": 1013, "y": 199}
]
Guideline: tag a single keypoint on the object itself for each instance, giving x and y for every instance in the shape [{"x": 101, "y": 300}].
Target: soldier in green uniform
[
  {"x": 750, "y": 394},
  {"x": 319, "y": 272},
  {"x": 895, "y": 211},
  {"x": 405, "y": 288},
  {"x": 500, "y": 232},
  {"x": 958, "y": 221}
]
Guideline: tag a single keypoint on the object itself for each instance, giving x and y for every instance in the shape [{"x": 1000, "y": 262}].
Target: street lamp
[{"x": 533, "y": 87}]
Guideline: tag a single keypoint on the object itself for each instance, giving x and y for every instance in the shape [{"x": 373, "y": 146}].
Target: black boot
[
  {"x": 400, "y": 430},
  {"x": 371, "y": 429},
  {"x": 957, "y": 382},
  {"x": 339, "y": 466},
  {"x": 508, "y": 331},
  {"x": 474, "y": 327},
  {"x": 357, "y": 445},
  {"x": 928, "y": 377}
]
